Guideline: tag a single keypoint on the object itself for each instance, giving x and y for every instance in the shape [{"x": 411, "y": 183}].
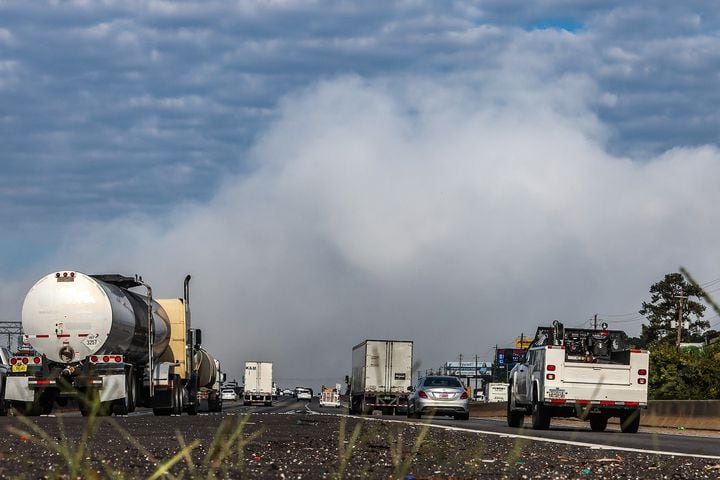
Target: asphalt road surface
[{"x": 294, "y": 439}]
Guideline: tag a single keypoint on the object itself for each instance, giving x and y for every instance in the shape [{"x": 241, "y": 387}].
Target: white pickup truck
[{"x": 583, "y": 373}]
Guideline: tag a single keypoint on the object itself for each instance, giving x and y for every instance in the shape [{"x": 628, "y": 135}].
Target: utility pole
[
  {"x": 680, "y": 301},
  {"x": 476, "y": 374},
  {"x": 495, "y": 365},
  {"x": 595, "y": 321}
]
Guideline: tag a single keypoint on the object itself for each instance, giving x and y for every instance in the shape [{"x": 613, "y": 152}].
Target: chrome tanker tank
[
  {"x": 68, "y": 315},
  {"x": 206, "y": 368}
]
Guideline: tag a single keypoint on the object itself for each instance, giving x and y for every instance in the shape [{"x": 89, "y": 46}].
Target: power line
[
  {"x": 711, "y": 282},
  {"x": 617, "y": 314}
]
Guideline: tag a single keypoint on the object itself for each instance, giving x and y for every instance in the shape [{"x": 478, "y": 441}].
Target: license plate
[
  {"x": 443, "y": 395},
  {"x": 19, "y": 368}
]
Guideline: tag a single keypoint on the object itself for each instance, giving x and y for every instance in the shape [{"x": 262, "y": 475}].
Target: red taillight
[
  {"x": 25, "y": 360},
  {"x": 106, "y": 359},
  {"x": 57, "y": 275},
  {"x": 642, "y": 371},
  {"x": 93, "y": 359},
  {"x": 118, "y": 359},
  {"x": 13, "y": 361},
  {"x": 36, "y": 360},
  {"x": 641, "y": 381},
  {"x": 550, "y": 376},
  {"x": 551, "y": 368},
  {"x": 64, "y": 274},
  {"x": 463, "y": 396},
  {"x": 422, "y": 394},
  {"x": 72, "y": 274}
]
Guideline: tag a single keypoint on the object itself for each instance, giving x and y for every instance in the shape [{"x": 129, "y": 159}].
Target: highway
[
  {"x": 693, "y": 443},
  {"x": 301, "y": 440}
]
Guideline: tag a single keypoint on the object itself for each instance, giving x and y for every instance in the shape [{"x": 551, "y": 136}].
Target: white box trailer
[
  {"x": 381, "y": 375},
  {"x": 258, "y": 383},
  {"x": 496, "y": 392}
]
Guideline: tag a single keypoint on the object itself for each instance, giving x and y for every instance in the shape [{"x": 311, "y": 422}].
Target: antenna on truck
[{"x": 558, "y": 333}]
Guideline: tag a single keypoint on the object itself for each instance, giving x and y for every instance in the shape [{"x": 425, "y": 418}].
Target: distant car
[
  {"x": 479, "y": 395},
  {"x": 229, "y": 394},
  {"x": 439, "y": 395},
  {"x": 287, "y": 392},
  {"x": 303, "y": 394}
]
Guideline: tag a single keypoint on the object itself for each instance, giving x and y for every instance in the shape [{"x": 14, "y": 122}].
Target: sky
[{"x": 453, "y": 173}]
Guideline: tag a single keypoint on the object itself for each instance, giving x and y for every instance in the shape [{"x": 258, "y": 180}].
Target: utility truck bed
[{"x": 583, "y": 373}]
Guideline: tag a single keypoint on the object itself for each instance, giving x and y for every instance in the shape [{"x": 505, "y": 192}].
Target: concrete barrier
[
  {"x": 695, "y": 414},
  {"x": 699, "y": 414},
  {"x": 497, "y": 409}
]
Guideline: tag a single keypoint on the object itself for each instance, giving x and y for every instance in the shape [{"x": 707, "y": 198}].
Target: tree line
[{"x": 684, "y": 350}]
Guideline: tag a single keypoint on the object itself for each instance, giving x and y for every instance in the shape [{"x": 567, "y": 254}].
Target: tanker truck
[
  {"x": 109, "y": 347},
  {"x": 210, "y": 376}
]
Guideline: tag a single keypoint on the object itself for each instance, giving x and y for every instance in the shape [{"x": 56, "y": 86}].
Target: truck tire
[
  {"x": 90, "y": 401},
  {"x": 540, "y": 416},
  {"x": 365, "y": 409},
  {"x": 131, "y": 390},
  {"x": 3, "y": 403},
  {"x": 354, "y": 407},
  {"x": 177, "y": 397},
  {"x": 598, "y": 422},
  {"x": 630, "y": 421},
  {"x": 515, "y": 419}
]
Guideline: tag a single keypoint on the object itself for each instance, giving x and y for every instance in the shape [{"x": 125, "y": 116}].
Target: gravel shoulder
[{"x": 304, "y": 446}]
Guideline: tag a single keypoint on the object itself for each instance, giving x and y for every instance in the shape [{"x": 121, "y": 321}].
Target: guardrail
[{"x": 696, "y": 414}]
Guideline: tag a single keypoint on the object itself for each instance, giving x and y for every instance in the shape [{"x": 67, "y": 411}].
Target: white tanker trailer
[{"x": 110, "y": 347}]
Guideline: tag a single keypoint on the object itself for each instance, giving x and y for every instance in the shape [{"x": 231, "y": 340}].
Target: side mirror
[
  {"x": 347, "y": 379},
  {"x": 410, "y": 388},
  {"x": 223, "y": 377},
  {"x": 198, "y": 337}
]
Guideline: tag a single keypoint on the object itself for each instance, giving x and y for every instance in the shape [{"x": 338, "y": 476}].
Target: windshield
[{"x": 442, "y": 382}]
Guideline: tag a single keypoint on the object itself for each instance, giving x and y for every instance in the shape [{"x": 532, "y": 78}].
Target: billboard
[
  {"x": 469, "y": 369},
  {"x": 509, "y": 356}
]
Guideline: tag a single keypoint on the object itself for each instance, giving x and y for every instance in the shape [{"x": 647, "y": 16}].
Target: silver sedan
[{"x": 438, "y": 395}]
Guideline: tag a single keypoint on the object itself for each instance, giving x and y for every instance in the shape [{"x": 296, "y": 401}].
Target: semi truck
[
  {"x": 330, "y": 397},
  {"x": 258, "y": 383},
  {"x": 585, "y": 373},
  {"x": 111, "y": 348},
  {"x": 381, "y": 376}
]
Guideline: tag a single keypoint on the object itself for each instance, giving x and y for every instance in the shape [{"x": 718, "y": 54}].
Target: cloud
[
  {"x": 417, "y": 210},
  {"x": 330, "y": 172}
]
